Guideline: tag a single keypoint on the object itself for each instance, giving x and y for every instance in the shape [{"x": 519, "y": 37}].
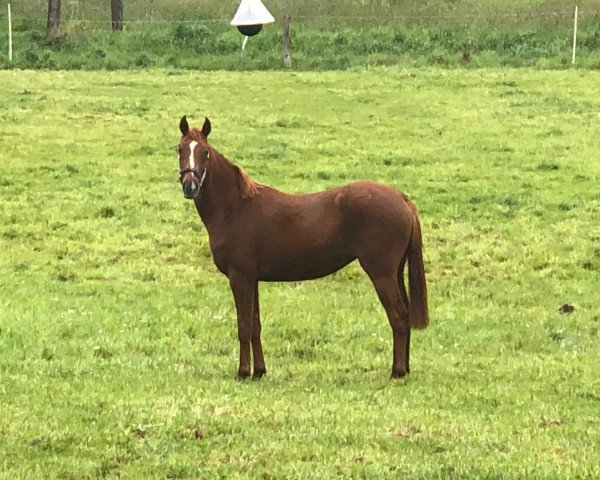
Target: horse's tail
[{"x": 419, "y": 315}]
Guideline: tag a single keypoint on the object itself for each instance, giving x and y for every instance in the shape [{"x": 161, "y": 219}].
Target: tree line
[{"x": 53, "y": 25}]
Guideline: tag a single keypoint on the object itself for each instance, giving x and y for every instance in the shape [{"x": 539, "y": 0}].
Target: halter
[
  {"x": 196, "y": 172},
  {"x": 200, "y": 176}
]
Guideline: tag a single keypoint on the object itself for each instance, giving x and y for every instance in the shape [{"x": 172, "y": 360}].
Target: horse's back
[
  {"x": 352, "y": 208},
  {"x": 296, "y": 237}
]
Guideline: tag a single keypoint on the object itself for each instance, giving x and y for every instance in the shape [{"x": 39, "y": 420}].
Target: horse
[{"x": 259, "y": 234}]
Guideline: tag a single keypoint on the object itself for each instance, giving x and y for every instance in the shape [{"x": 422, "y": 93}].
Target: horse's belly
[{"x": 307, "y": 265}]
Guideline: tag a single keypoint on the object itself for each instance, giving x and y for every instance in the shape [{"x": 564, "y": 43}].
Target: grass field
[{"x": 118, "y": 346}]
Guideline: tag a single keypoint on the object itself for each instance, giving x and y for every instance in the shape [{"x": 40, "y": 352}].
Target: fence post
[
  {"x": 574, "y": 36},
  {"x": 9, "y": 35},
  {"x": 53, "y": 25},
  {"x": 116, "y": 13},
  {"x": 287, "y": 59}
]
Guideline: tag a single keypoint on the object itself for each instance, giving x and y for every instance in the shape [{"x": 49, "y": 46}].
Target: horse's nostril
[{"x": 189, "y": 189}]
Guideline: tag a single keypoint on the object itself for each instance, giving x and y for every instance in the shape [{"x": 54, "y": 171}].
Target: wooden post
[
  {"x": 53, "y": 18},
  {"x": 574, "y": 36},
  {"x": 287, "y": 59},
  {"x": 9, "y": 35},
  {"x": 116, "y": 11}
]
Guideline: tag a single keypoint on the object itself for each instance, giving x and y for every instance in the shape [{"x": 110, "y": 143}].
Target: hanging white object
[
  {"x": 249, "y": 19},
  {"x": 251, "y": 12}
]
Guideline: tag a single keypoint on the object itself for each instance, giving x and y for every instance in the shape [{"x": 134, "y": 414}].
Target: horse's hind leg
[
  {"x": 404, "y": 296},
  {"x": 388, "y": 291}
]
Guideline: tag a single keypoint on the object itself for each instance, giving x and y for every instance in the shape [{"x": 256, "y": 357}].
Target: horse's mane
[{"x": 248, "y": 187}]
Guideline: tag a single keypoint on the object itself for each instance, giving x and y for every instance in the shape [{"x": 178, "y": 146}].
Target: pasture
[{"x": 118, "y": 345}]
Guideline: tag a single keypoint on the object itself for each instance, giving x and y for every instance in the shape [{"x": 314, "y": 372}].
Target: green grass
[
  {"x": 197, "y": 46},
  {"x": 117, "y": 335}
]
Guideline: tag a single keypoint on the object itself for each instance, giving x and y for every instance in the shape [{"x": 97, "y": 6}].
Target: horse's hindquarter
[{"x": 377, "y": 218}]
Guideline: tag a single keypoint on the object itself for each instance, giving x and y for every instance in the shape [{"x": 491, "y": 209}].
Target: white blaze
[{"x": 193, "y": 144}]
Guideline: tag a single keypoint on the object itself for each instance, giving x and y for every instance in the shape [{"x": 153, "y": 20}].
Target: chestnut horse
[{"x": 257, "y": 233}]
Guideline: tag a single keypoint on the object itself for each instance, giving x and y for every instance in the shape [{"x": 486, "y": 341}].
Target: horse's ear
[
  {"x": 206, "y": 127},
  {"x": 183, "y": 126}
]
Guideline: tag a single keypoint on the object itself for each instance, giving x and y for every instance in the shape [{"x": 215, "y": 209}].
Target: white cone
[{"x": 251, "y": 12}]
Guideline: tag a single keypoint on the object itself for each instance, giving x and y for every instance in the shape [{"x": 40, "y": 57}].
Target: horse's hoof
[
  {"x": 243, "y": 375},
  {"x": 258, "y": 373},
  {"x": 399, "y": 373}
]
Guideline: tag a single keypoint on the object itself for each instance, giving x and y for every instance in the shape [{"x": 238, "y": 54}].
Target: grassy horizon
[{"x": 118, "y": 346}]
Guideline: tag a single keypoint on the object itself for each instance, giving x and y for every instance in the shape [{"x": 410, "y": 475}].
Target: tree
[
  {"x": 53, "y": 18},
  {"x": 116, "y": 9}
]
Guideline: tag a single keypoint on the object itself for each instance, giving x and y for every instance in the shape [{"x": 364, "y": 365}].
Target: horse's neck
[{"x": 220, "y": 193}]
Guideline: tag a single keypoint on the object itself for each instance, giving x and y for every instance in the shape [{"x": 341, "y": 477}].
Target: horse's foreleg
[
  {"x": 243, "y": 288},
  {"x": 257, "y": 352}
]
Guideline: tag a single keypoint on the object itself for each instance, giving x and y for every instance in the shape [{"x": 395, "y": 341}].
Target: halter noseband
[
  {"x": 196, "y": 172},
  {"x": 200, "y": 176}
]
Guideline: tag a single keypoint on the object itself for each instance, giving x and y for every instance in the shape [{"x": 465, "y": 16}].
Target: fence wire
[
  {"x": 517, "y": 20},
  {"x": 532, "y": 16}
]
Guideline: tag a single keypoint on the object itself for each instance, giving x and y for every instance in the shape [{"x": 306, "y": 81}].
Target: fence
[
  {"x": 381, "y": 31},
  {"x": 317, "y": 11}
]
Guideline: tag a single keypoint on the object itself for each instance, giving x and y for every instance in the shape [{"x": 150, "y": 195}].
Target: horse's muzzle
[
  {"x": 191, "y": 184},
  {"x": 190, "y": 189}
]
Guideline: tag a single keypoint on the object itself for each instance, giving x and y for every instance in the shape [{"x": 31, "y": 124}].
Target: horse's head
[{"x": 193, "y": 156}]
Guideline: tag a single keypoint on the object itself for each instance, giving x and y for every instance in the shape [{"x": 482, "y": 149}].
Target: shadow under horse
[{"x": 257, "y": 233}]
